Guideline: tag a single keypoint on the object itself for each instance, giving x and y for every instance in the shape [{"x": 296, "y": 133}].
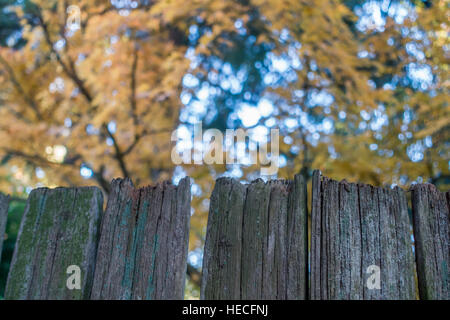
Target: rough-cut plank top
[
  {"x": 354, "y": 227},
  {"x": 143, "y": 244},
  {"x": 58, "y": 229},
  {"x": 4, "y": 202},
  {"x": 256, "y": 242},
  {"x": 431, "y": 232}
]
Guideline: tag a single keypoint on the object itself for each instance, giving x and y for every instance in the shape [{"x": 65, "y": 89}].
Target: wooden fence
[
  {"x": 361, "y": 242},
  {"x": 137, "y": 249},
  {"x": 431, "y": 229},
  {"x": 59, "y": 229},
  {"x": 256, "y": 241},
  {"x": 355, "y": 229},
  {"x": 143, "y": 244}
]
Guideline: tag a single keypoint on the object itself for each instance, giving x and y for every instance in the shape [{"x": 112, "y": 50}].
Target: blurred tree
[
  {"x": 95, "y": 98},
  {"x": 350, "y": 82},
  {"x": 10, "y": 25},
  {"x": 405, "y": 139}
]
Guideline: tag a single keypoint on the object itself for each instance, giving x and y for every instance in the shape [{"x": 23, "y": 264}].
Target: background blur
[{"x": 359, "y": 89}]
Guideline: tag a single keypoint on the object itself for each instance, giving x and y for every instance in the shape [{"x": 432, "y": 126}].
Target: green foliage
[{"x": 16, "y": 208}]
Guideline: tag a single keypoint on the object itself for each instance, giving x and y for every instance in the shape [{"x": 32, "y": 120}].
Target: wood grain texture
[
  {"x": 224, "y": 238},
  {"x": 354, "y": 226},
  {"x": 59, "y": 228},
  {"x": 256, "y": 242},
  {"x": 143, "y": 246},
  {"x": 4, "y": 203},
  {"x": 431, "y": 233}
]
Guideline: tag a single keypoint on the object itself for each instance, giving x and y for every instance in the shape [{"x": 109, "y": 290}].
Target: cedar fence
[{"x": 257, "y": 245}]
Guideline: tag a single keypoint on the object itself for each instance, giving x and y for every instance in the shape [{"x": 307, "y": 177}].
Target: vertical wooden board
[
  {"x": 297, "y": 242},
  {"x": 258, "y": 229},
  {"x": 121, "y": 254},
  {"x": 431, "y": 233},
  {"x": 222, "y": 254},
  {"x": 397, "y": 271},
  {"x": 143, "y": 263},
  {"x": 120, "y": 191},
  {"x": 355, "y": 227},
  {"x": 348, "y": 247},
  {"x": 58, "y": 229},
  {"x": 210, "y": 285},
  {"x": 4, "y": 203},
  {"x": 354, "y": 262},
  {"x": 143, "y": 243},
  {"x": 147, "y": 262},
  {"x": 331, "y": 216},
  {"x": 316, "y": 237},
  {"x": 177, "y": 263},
  {"x": 274, "y": 281},
  {"x": 403, "y": 231},
  {"x": 388, "y": 259},
  {"x": 165, "y": 235},
  {"x": 370, "y": 231}
]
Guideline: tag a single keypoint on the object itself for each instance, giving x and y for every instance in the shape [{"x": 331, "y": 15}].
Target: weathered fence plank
[
  {"x": 256, "y": 242},
  {"x": 224, "y": 231},
  {"x": 143, "y": 244},
  {"x": 355, "y": 226},
  {"x": 58, "y": 229},
  {"x": 431, "y": 232},
  {"x": 4, "y": 203}
]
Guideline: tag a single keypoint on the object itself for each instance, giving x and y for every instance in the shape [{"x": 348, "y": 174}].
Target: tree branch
[
  {"x": 41, "y": 161},
  {"x": 99, "y": 13},
  {"x": 28, "y": 99},
  {"x": 118, "y": 153},
  {"x": 138, "y": 137},
  {"x": 70, "y": 72}
]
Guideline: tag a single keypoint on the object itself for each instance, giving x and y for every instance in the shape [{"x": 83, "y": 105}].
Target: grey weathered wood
[
  {"x": 297, "y": 239},
  {"x": 143, "y": 244},
  {"x": 224, "y": 231},
  {"x": 256, "y": 242},
  {"x": 4, "y": 203},
  {"x": 58, "y": 229},
  {"x": 430, "y": 209},
  {"x": 355, "y": 226}
]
